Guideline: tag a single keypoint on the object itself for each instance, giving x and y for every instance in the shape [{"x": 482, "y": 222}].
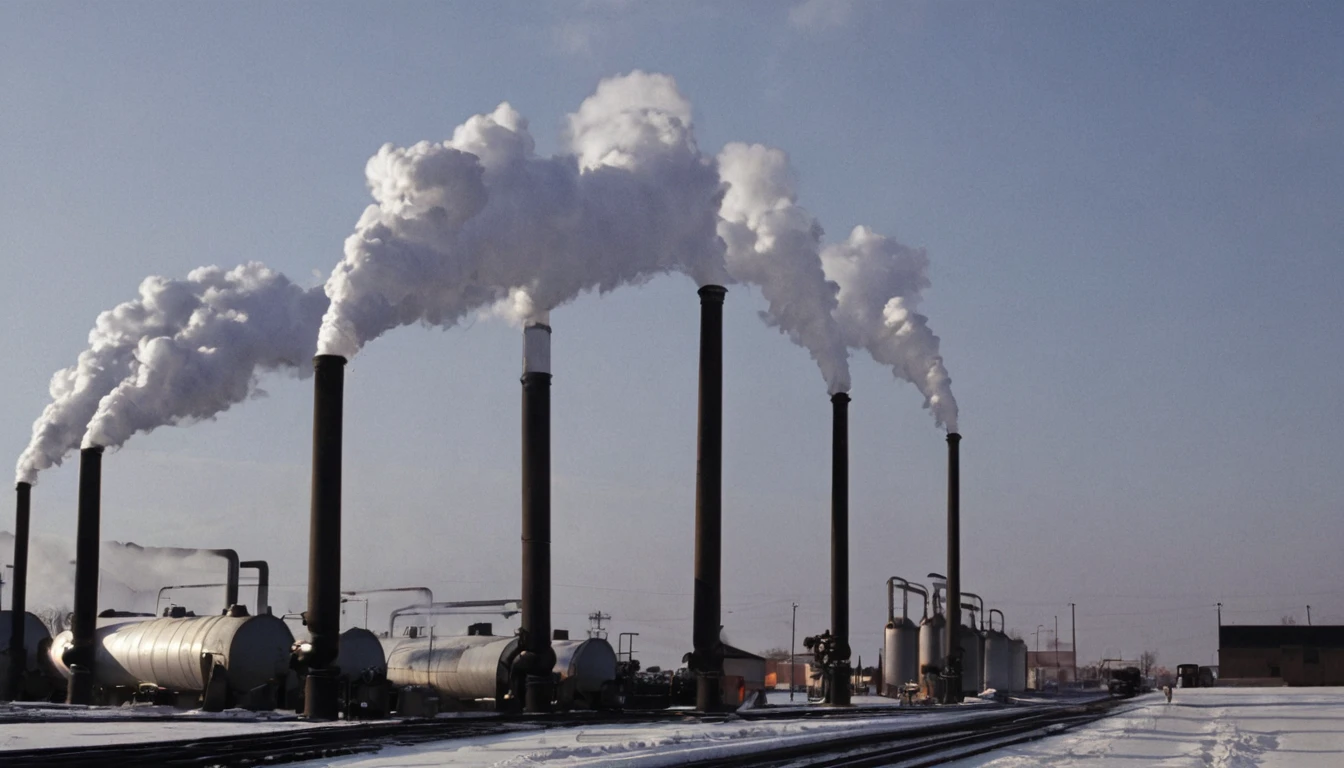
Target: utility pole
[
  {"x": 1073, "y": 634},
  {"x": 793, "y": 635},
  {"x": 1308, "y": 615}
]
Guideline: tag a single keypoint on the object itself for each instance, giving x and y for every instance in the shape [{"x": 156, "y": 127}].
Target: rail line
[
  {"x": 928, "y": 746},
  {"x": 269, "y": 748}
]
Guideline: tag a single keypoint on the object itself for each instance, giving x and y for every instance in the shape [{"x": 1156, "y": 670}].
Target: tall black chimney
[
  {"x": 81, "y": 655},
  {"x": 952, "y": 643},
  {"x": 323, "y": 617},
  {"x": 707, "y": 658},
  {"x": 840, "y": 670},
  {"x": 537, "y": 658},
  {"x": 18, "y": 595}
]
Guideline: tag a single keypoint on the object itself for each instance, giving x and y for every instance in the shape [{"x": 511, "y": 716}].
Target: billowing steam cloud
[
  {"x": 250, "y": 320},
  {"x": 480, "y": 221},
  {"x": 881, "y": 282},
  {"x": 184, "y": 349},
  {"x": 774, "y": 243}
]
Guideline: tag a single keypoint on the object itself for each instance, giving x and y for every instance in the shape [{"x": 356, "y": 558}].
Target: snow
[
  {"x": 1218, "y": 727},
  {"x": 44, "y": 726},
  {"x": 651, "y": 745}
]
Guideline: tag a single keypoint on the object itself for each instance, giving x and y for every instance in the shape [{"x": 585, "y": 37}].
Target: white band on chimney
[{"x": 537, "y": 348}]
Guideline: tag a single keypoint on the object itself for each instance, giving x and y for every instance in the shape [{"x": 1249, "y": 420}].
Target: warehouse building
[{"x": 1282, "y": 654}]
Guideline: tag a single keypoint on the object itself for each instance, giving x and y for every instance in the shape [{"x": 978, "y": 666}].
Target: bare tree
[
  {"x": 1147, "y": 660},
  {"x": 1288, "y": 620},
  {"x": 778, "y": 654}
]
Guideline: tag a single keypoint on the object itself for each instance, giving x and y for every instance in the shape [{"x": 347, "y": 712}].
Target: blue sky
[{"x": 1132, "y": 213}]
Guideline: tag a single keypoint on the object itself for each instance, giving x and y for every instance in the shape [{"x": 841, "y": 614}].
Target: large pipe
[
  {"x": 951, "y": 643},
  {"x": 840, "y": 670},
  {"x": 82, "y": 653},
  {"x": 536, "y": 659},
  {"x": 323, "y": 617},
  {"x": 18, "y": 593},
  {"x": 707, "y": 658},
  {"x": 263, "y": 584}
]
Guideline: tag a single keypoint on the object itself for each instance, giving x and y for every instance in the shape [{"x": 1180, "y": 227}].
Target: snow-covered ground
[{"x": 1218, "y": 727}]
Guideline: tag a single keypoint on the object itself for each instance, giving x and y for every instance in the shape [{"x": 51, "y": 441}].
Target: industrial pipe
[
  {"x": 1002, "y": 626},
  {"x": 81, "y": 655},
  {"x": 840, "y": 670},
  {"x": 18, "y": 593},
  {"x": 505, "y": 608},
  {"x": 980, "y": 601},
  {"x": 707, "y": 658},
  {"x": 263, "y": 570},
  {"x": 951, "y": 642},
  {"x": 906, "y": 588},
  {"x": 536, "y": 658},
  {"x": 323, "y": 617}
]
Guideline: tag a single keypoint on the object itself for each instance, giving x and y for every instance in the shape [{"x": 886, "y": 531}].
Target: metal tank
[
  {"x": 901, "y": 646},
  {"x": 972, "y": 654},
  {"x": 360, "y": 652},
  {"x": 183, "y": 654},
  {"x": 34, "y": 634},
  {"x": 1019, "y": 679},
  {"x": 456, "y": 667},
  {"x": 931, "y": 644},
  {"x": 998, "y": 656},
  {"x": 587, "y": 670}
]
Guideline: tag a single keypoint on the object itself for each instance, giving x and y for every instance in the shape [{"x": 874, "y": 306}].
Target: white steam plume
[
  {"x": 163, "y": 307},
  {"x": 881, "y": 283},
  {"x": 480, "y": 221},
  {"x": 248, "y": 320},
  {"x": 774, "y": 243}
]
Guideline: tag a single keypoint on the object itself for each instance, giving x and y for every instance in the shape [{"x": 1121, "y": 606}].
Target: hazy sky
[{"x": 1133, "y": 213}]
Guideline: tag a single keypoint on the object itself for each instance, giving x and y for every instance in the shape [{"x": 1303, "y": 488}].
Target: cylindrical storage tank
[
  {"x": 460, "y": 667},
  {"x": 972, "y": 659},
  {"x": 34, "y": 632},
  {"x": 1019, "y": 665},
  {"x": 586, "y": 667},
  {"x": 931, "y": 644},
  {"x": 168, "y": 652},
  {"x": 998, "y": 661},
  {"x": 900, "y": 655},
  {"x": 360, "y": 652}
]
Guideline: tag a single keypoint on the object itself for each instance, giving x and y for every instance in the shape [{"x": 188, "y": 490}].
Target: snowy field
[{"x": 1218, "y": 727}]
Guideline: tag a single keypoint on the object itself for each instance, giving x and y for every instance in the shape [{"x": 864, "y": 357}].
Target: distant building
[
  {"x": 1290, "y": 653},
  {"x": 1049, "y": 667},
  {"x": 778, "y": 673}
]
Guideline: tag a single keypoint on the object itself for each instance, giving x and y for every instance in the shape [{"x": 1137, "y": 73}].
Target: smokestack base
[{"x": 321, "y": 690}]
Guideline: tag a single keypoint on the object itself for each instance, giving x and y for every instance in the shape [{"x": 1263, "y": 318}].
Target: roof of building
[
  {"x": 1278, "y": 635},
  {"x": 730, "y": 652}
]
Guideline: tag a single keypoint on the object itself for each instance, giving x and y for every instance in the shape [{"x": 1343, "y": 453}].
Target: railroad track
[
  {"x": 275, "y": 747},
  {"x": 932, "y": 745}
]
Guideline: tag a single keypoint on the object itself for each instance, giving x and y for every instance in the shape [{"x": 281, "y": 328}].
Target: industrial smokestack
[
  {"x": 81, "y": 655},
  {"x": 952, "y": 643},
  {"x": 537, "y": 658},
  {"x": 707, "y": 658},
  {"x": 18, "y": 593},
  {"x": 840, "y": 670},
  {"x": 323, "y": 617}
]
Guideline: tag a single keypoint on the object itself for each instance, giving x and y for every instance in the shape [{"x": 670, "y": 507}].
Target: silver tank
[
  {"x": 900, "y": 655},
  {"x": 998, "y": 661},
  {"x": 168, "y": 652},
  {"x": 460, "y": 667},
  {"x": 972, "y": 659},
  {"x": 34, "y": 632},
  {"x": 586, "y": 668},
  {"x": 931, "y": 643},
  {"x": 1019, "y": 666},
  {"x": 360, "y": 652}
]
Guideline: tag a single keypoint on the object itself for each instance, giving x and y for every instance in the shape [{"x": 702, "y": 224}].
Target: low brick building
[{"x": 1295, "y": 654}]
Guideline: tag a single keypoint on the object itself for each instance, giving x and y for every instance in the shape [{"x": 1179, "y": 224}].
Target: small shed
[{"x": 743, "y": 675}]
